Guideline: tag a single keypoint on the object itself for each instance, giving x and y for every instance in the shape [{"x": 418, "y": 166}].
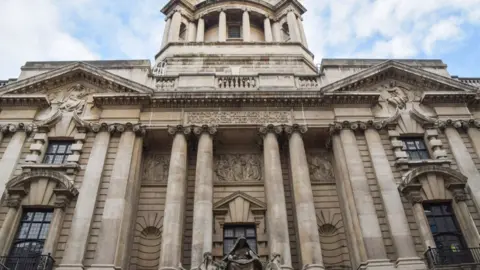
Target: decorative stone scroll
[
  {"x": 156, "y": 167},
  {"x": 238, "y": 168},
  {"x": 234, "y": 118},
  {"x": 320, "y": 167}
]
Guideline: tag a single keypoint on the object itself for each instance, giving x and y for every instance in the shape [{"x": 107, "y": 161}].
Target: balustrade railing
[
  {"x": 452, "y": 256},
  {"x": 166, "y": 83},
  {"x": 307, "y": 82},
  {"x": 237, "y": 82},
  {"x": 43, "y": 262}
]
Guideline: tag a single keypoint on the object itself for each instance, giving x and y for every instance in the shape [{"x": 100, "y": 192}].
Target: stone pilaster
[
  {"x": 174, "y": 29},
  {"x": 415, "y": 197},
  {"x": 308, "y": 236},
  {"x": 267, "y": 29},
  {"x": 10, "y": 157},
  {"x": 202, "y": 235},
  {"x": 200, "y": 30},
  {"x": 276, "y": 32},
  {"x": 277, "y": 226},
  {"x": 192, "y": 32},
  {"x": 293, "y": 27},
  {"x": 7, "y": 230},
  {"x": 116, "y": 202},
  {"x": 302, "y": 31},
  {"x": 246, "y": 26},
  {"x": 395, "y": 214},
  {"x": 369, "y": 224},
  {"x": 62, "y": 201},
  {"x": 166, "y": 31},
  {"x": 82, "y": 217},
  {"x": 37, "y": 148},
  {"x": 172, "y": 235},
  {"x": 222, "y": 26},
  {"x": 467, "y": 224}
]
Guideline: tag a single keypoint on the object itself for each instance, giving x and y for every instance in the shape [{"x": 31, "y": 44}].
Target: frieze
[
  {"x": 156, "y": 167},
  {"x": 238, "y": 168},
  {"x": 320, "y": 167},
  {"x": 233, "y": 118}
]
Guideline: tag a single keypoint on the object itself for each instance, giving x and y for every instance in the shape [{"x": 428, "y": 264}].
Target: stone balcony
[{"x": 212, "y": 82}]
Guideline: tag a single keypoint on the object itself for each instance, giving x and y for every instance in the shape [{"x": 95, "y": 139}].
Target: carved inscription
[
  {"x": 202, "y": 118},
  {"x": 320, "y": 166},
  {"x": 155, "y": 168},
  {"x": 238, "y": 168}
]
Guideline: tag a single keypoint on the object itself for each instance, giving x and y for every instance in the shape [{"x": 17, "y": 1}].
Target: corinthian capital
[
  {"x": 198, "y": 130},
  {"x": 295, "y": 128},
  {"x": 172, "y": 130},
  {"x": 264, "y": 130}
]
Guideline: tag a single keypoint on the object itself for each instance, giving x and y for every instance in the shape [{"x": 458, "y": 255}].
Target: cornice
[
  {"x": 36, "y": 101},
  {"x": 442, "y": 97}
]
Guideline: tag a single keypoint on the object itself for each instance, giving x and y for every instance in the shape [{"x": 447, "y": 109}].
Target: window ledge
[
  {"x": 408, "y": 163},
  {"x": 68, "y": 168}
]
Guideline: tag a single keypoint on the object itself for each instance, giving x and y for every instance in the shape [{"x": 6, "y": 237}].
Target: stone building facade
[{"x": 236, "y": 148}]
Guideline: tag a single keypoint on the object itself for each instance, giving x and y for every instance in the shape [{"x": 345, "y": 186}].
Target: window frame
[
  {"x": 240, "y": 32},
  {"x": 54, "y": 154},
  {"x": 442, "y": 218},
  {"x": 417, "y": 152},
  {"x": 234, "y": 238},
  {"x": 182, "y": 35}
]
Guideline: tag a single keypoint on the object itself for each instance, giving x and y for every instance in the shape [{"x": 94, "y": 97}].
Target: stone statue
[
  {"x": 208, "y": 263},
  {"x": 74, "y": 101},
  {"x": 275, "y": 262},
  {"x": 242, "y": 257}
]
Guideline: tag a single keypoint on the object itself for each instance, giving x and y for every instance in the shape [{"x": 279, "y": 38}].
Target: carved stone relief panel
[
  {"x": 238, "y": 168},
  {"x": 320, "y": 167},
  {"x": 235, "y": 118},
  {"x": 155, "y": 167}
]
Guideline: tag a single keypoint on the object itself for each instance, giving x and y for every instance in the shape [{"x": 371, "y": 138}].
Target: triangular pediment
[
  {"x": 70, "y": 74},
  {"x": 391, "y": 70},
  {"x": 224, "y": 203}
]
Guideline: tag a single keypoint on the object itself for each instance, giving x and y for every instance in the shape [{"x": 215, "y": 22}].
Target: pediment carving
[
  {"x": 155, "y": 168},
  {"x": 254, "y": 204},
  {"x": 320, "y": 167}
]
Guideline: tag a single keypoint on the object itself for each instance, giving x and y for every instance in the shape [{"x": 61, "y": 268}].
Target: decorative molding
[
  {"x": 64, "y": 182},
  {"x": 12, "y": 128},
  {"x": 295, "y": 128},
  {"x": 320, "y": 168},
  {"x": 275, "y": 129},
  {"x": 186, "y": 130},
  {"x": 240, "y": 117},
  {"x": 451, "y": 173},
  {"x": 38, "y": 101},
  {"x": 155, "y": 168},
  {"x": 198, "y": 130},
  {"x": 238, "y": 168}
]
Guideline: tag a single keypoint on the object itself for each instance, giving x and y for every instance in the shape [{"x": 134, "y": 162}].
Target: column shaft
[
  {"x": 345, "y": 188},
  {"x": 203, "y": 203},
  {"x": 267, "y": 29},
  {"x": 7, "y": 229},
  {"x": 174, "y": 30},
  {"x": 277, "y": 226},
  {"x": 277, "y": 35},
  {"x": 302, "y": 32},
  {"x": 50, "y": 244},
  {"x": 172, "y": 235},
  {"x": 309, "y": 240},
  {"x": 371, "y": 232},
  {"x": 192, "y": 32},
  {"x": 464, "y": 162},
  {"x": 222, "y": 27},
  {"x": 467, "y": 224},
  {"x": 292, "y": 27},
  {"x": 166, "y": 32},
  {"x": 423, "y": 225},
  {"x": 10, "y": 158},
  {"x": 399, "y": 228},
  {"x": 201, "y": 30},
  {"x": 246, "y": 26},
  {"x": 85, "y": 206},
  {"x": 115, "y": 203}
]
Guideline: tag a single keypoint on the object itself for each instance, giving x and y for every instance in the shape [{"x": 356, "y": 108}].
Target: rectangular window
[
  {"x": 234, "y": 31},
  {"x": 232, "y": 232},
  {"x": 57, "y": 152},
  {"x": 31, "y": 234},
  {"x": 415, "y": 148}
]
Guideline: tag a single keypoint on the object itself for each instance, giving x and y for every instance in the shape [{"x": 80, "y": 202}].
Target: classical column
[
  {"x": 467, "y": 224},
  {"x": 308, "y": 236},
  {"x": 222, "y": 27},
  {"x": 172, "y": 235},
  {"x": 474, "y": 135},
  {"x": 293, "y": 27},
  {"x": 464, "y": 162},
  {"x": 200, "y": 30},
  {"x": 10, "y": 157},
  {"x": 345, "y": 190},
  {"x": 166, "y": 32},
  {"x": 367, "y": 215},
  {"x": 85, "y": 206},
  {"x": 174, "y": 29},
  {"x": 302, "y": 31},
  {"x": 395, "y": 214},
  {"x": 7, "y": 230},
  {"x": 246, "y": 26},
  {"x": 277, "y": 226},
  {"x": 267, "y": 29},
  {"x": 415, "y": 197},
  {"x": 202, "y": 235},
  {"x": 277, "y": 35},
  {"x": 115, "y": 203},
  {"x": 192, "y": 31},
  {"x": 62, "y": 200}
]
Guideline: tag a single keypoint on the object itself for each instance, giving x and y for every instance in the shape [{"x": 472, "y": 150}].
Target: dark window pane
[
  {"x": 250, "y": 232},
  {"x": 69, "y": 149},
  {"x": 411, "y": 145},
  {"x": 62, "y": 148},
  {"x": 27, "y": 216},
  {"x": 34, "y": 230},
  {"x": 413, "y": 155},
  {"x": 48, "y": 216},
  {"x": 423, "y": 154},
  {"x": 38, "y": 216},
  {"x": 44, "y": 231},
  {"x": 228, "y": 232},
  {"x": 23, "y": 231},
  {"x": 58, "y": 159},
  {"x": 52, "y": 148},
  {"x": 420, "y": 144},
  {"x": 252, "y": 244},
  {"x": 228, "y": 245},
  {"x": 234, "y": 31},
  {"x": 239, "y": 232},
  {"x": 48, "y": 159}
]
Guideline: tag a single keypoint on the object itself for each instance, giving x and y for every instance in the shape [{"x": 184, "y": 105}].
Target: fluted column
[
  {"x": 172, "y": 235},
  {"x": 267, "y": 29},
  {"x": 174, "y": 29},
  {"x": 395, "y": 214},
  {"x": 309, "y": 240},
  {"x": 246, "y": 26},
  {"x": 166, "y": 32},
  {"x": 293, "y": 27},
  {"x": 367, "y": 215},
  {"x": 202, "y": 235},
  {"x": 109, "y": 242},
  {"x": 222, "y": 27},
  {"x": 10, "y": 157},
  {"x": 200, "y": 30},
  {"x": 302, "y": 31},
  {"x": 277, "y": 226},
  {"x": 85, "y": 206}
]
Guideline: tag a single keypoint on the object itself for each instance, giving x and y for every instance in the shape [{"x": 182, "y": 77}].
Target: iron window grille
[
  {"x": 57, "y": 152},
  {"x": 232, "y": 232},
  {"x": 415, "y": 148}
]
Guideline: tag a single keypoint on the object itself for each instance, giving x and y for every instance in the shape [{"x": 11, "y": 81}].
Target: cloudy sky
[{"x": 40, "y": 30}]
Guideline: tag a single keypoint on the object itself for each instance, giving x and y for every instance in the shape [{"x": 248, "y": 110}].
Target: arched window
[
  {"x": 285, "y": 32},
  {"x": 183, "y": 32}
]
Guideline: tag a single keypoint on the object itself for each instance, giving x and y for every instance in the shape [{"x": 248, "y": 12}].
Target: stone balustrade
[
  {"x": 237, "y": 82},
  {"x": 166, "y": 83},
  {"x": 307, "y": 82}
]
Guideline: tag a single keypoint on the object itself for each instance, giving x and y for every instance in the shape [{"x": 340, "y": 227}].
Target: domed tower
[{"x": 232, "y": 37}]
